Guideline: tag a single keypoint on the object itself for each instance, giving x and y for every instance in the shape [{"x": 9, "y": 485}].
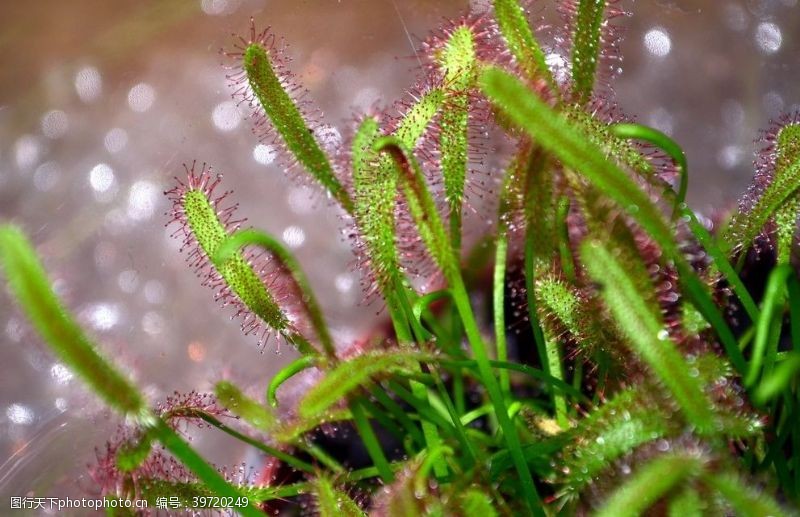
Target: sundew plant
[{"x": 596, "y": 350}]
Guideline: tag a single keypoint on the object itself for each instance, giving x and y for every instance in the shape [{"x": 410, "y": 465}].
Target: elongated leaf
[
  {"x": 228, "y": 249},
  {"x": 616, "y": 428},
  {"x": 647, "y": 334},
  {"x": 375, "y": 185},
  {"x": 650, "y": 483},
  {"x": 769, "y": 324},
  {"x": 248, "y": 409},
  {"x": 780, "y": 379},
  {"x": 521, "y": 41},
  {"x": 288, "y": 121},
  {"x": 458, "y": 61},
  {"x": 346, "y": 376},
  {"x": 420, "y": 203},
  {"x": 565, "y": 141},
  {"x": 781, "y": 191},
  {"x": 32, "y": 289},
  {"x": 586, "y": 43}
]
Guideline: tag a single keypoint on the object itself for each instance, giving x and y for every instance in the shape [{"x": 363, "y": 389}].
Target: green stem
[
  {"x": 295, "y": 367},
  {"x": 490, "y": 382},
  {"x": 666, "y": 144},
  {"x": 765, "y": 326},
  {"x": 266, "y": 449},
  {"x": 371, "y": 441},
  {"x": 427, "y": 217}
]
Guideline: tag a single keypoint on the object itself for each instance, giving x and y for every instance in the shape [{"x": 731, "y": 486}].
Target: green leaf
[
  {"x": 687, "y": 504},
  {"x": 564, "y": 140},
  {"x": 375, "y": 185},
  {"x": 30, "y": 286},
  {"x": 132, "y": 454},
  {"x": 745, "y": 226},
  {"x": 521, "y": 42},
  {"x": 32, "y": 289},
  {"x": 647, "y": 335},
  {"x": 349, "y": 375},
  {"x": 781, "y": 378},
  {"x": 228, "y": 249},
  {"x": 332, "y": 502},
  {"x": 248, "y": 409},
  {"x": 476, "y": 502},
  {"x": 420, "y": 203},
  {"x": 631, "y": 418},
  {"x": 288, "y": 121},
  {"x": 650, "y": 483},
  {"x": 747, "y": 500},
  {"x": 458, "y": 61},
  {"x": 204, "y": 223},
  {"x": 666, "y": 144},
  {"x": 586, "y": 41},
  {"x": 768, "y": 326}
]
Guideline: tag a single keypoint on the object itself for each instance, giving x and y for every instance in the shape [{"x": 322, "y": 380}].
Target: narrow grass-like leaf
[
  {"x": 266, "y": 449},
  {"x": 647, "y": 335},
  {"x": 227, "y": 250},
  {"x": 332, "y": 502},
  {"x": 586, "y": 43},
  {"x": 423, "y": 209},
  {"x": 371, "y": 442},
  {"x": 539, "y": 236},
  {"x": 746, "y": 500},
  {"x": 650, "y": 483},
  {"x": 32, "y": 289},
  {"x": 243, "y": 406},
  {"x": 346, "y": 376},
  {"x": 773, "y": 384},
  {"x": 288, "y": 121},
  {"x": 207, "y": 474},
  {"x": 769, "y": 325},
  {"x": 521, "y": 41},
  {"x": 553, "y": 383}
]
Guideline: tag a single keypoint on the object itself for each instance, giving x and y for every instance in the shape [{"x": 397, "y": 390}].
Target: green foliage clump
[{"x": 628, "y": 387}]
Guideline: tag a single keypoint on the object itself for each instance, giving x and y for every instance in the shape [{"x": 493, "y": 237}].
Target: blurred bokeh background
[{"x": 101, "y": 102}]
